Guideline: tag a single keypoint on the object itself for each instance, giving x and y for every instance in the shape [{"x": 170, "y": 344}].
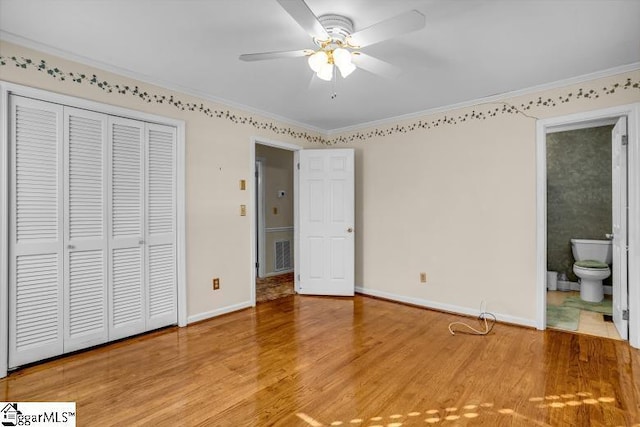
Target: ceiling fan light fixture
[
  {"x": 326, "y": 72},
  {"x": 341, "y": 57},
  {"x": 346, "y": 69},
  {"x": 338, "y": 44},
  {"x": 318, "y": 60}
]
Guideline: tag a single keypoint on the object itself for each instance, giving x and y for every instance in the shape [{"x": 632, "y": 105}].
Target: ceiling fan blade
[
  {"x": 375, "y": 65},
  {"x": 274, "y": 55},
  {"x": 384, "y": 30},
  {"x": 299, "y": 11}
]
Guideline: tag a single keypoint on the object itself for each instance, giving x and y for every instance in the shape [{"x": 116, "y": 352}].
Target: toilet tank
[{"x": 596, "y": 250}]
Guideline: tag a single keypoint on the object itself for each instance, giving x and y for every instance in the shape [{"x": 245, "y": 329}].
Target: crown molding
[
  {"x": 31, "y": 44},
  {"x": 50, "y": 50},
  {"x": 634, "y": 66}
]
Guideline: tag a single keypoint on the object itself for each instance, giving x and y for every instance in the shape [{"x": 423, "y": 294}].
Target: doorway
[
  {"x": 579, "y": 211},
  {"x": 626, "y": 261},
  {"x": 273, "y": 222}
]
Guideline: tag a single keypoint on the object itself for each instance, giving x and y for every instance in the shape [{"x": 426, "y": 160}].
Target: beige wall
[{"x": 455, "y": 199}]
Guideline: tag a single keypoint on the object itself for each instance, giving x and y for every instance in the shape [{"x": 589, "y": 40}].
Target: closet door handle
[
  {"x": 141, "y": 242},
  {"x": 71, "y": 247}
]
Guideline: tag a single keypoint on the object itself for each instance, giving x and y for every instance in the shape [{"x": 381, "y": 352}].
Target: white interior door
[
  {"x": 35, "y": 231},
  {"x": 85, "y": 219},
  {"x": 127, "y": 306},
  {"x": 326, "y": 222},
  {"x": 619, "y": 217}
]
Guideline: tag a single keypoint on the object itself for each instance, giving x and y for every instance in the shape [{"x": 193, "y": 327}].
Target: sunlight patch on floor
[{"x": 473, "y": 410}]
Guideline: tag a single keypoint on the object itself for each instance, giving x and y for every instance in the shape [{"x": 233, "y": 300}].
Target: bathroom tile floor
[{"x": 591, "y": 322}]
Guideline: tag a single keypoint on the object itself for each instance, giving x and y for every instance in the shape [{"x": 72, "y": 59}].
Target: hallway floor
[
  {"x": 591, "y": 322},
  {"x": 274, "y": 287}
]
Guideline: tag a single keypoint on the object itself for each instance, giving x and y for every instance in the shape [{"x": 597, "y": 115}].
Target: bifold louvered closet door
[
  {"x": 85, "y": 229},
  {"x": 36, "y": 232},
  {"x": 92, "y": 229}
]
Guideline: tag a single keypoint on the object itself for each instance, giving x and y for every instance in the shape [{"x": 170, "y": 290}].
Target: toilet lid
[{"x": 591, "y": 264}]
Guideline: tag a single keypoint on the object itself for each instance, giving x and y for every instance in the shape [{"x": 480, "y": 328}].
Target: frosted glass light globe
[
  {"x": 326, "y": 72},
  {"x": 341, "y": 57},
  {"x": 317, "y": 60}
]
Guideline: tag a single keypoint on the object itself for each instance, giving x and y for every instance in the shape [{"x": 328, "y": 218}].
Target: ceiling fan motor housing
[{"x": 338, "y": 27}]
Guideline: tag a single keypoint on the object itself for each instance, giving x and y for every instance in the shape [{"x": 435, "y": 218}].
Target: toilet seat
[
  {"x": 591, "y": 264},
  {"x": 577, "y": 268}
]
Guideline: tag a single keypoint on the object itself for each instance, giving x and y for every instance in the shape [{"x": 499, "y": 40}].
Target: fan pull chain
[{"x": 334, "y": 93}]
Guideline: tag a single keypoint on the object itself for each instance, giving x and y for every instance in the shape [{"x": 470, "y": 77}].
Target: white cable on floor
[{"x": 474, "y": 331}]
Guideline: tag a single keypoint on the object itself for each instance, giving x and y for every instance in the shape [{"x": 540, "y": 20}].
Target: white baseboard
[
  {"x": 445, "y": 307},
  {"x": 217, "y": 312}
]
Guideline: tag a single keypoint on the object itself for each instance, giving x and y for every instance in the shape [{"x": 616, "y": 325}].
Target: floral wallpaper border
[{"x": 503, "y": 108}]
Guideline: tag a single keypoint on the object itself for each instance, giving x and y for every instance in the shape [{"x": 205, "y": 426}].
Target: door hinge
[
  {"x": 298, "y": 166},
  {"x": 298, "y": 277},
  {"x": 257, "y": 264},
  {"x": 625, "y": 314},
  {"x": 625, "y": 139}
]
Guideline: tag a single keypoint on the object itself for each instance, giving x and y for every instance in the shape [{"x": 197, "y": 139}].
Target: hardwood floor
[{"x": 313, "y": 361}]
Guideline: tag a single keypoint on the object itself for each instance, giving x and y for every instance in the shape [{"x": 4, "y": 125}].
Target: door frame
[
  {"x": 260, "y": 214},
  {"x": 576, "y": 121},
  {"x": 7, "y": 89},
  {"x": 252, "y": 208}
]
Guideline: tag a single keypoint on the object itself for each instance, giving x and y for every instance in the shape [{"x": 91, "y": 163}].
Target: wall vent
[{"x": 283, "y": 255}]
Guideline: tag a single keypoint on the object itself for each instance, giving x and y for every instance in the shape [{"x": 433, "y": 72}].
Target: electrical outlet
[
  {"x": 423, "y": 277},
  {"x": 216, "y": 283}
]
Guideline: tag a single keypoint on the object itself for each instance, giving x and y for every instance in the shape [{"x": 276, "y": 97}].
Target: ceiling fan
[{"x": 337, "y": 46}]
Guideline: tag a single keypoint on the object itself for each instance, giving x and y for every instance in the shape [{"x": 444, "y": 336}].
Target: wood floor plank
[{"x": 313, "y": 361}]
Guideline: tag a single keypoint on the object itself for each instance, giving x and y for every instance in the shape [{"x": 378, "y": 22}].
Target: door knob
[
  {"x": 141, "y": 242},
  {"x": 71, "y": 247},
  {"x": 349, "y": 230}
]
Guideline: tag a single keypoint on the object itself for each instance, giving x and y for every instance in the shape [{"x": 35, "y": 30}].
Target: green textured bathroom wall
[{"x": 578, "y": 192}]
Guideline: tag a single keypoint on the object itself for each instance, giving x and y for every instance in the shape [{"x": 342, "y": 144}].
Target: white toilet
[{"x": 592, "y": 266}]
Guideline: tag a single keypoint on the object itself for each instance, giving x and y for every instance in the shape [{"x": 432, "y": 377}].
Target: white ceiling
[{"x": 467, "y": 50}]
